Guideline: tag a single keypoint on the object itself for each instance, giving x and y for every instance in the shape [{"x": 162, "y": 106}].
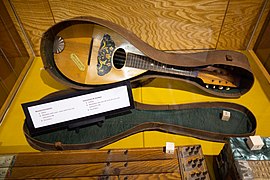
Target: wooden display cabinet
[{"x": 173, "y": 26}]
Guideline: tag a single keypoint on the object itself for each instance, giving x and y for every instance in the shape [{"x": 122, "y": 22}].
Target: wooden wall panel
[
  {"x": 11, "y": 33},
  {"x": 13, "y": 16},
  {"x": 267, "y": 65},
  {"x": 261, "y": 21},
  {"x": 262, "y": 48},
  {"x": 173, "y": 25},
  {"x": 3, "y": 94},
  {"x": 36, "y": 18},
  {"x": 7, "y": 74},
  {"x": 11, "y": 44},
  {"x": 239, "y": 23},
  {"x": 8, "y": 41},
  {"x": 165, "y": 25}
]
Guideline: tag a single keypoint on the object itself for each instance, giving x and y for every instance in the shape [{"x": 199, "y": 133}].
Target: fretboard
[{"x": 143, "y": 62}]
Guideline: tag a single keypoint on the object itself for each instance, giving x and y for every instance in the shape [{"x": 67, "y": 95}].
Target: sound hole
[{"x": 119, "y": 58}]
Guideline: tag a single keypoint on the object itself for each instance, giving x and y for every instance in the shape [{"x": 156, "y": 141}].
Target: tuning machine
[{"x": 219, "y": 87}]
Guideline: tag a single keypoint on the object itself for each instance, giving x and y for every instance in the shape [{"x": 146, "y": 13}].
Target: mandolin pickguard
[{"x": 79, "y": 40}]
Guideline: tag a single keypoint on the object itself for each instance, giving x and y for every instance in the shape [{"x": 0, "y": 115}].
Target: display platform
[{"x": 39, "y": 83}]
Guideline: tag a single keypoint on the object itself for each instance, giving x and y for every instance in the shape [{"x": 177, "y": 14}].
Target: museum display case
[{"x": 192, "y": 73}]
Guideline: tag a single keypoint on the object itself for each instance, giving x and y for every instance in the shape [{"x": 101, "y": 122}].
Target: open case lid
[{"x": 200, "y": 120}]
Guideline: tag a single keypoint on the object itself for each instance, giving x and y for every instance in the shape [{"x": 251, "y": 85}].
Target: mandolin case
[
  {"x": 200, "y": 120},
  {"x": 87, "y": 52}
]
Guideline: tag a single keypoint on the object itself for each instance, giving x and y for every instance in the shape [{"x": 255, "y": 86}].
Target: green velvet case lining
[{"x": 205, "y": 119}]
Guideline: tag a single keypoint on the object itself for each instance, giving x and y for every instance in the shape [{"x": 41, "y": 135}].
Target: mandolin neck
[{"x": 143, "y": 62}]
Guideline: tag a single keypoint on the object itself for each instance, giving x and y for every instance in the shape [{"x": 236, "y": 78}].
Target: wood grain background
[
  {"x": 239, "y": 23},
  {"x": 171, "y": 25}
]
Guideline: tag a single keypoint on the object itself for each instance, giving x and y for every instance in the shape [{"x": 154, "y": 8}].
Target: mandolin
[{"x": 94, "y": 55}]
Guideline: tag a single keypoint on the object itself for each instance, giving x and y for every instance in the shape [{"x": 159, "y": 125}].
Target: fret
[
  {"x": 139, "y": 63},
  {"x": 143, "y": 62},
  {"x": 130, "y": 62}
]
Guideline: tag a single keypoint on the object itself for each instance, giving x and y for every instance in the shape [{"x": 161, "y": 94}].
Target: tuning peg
[
  {"x": 228, "y": 88},
  {"x": 220, "y": 87},
  {"x": 214, "y": 87},
  {"x": 207, "y": 86}
]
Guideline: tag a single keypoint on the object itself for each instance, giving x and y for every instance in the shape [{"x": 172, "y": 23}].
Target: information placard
[{"x": 45, "y": 115}]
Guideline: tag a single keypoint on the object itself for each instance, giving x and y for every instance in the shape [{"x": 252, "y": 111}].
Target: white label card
[{"x": 78, "y": 107}]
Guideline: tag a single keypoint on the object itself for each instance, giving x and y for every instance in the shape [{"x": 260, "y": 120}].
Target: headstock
[{"x": 218, "y": 78}]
